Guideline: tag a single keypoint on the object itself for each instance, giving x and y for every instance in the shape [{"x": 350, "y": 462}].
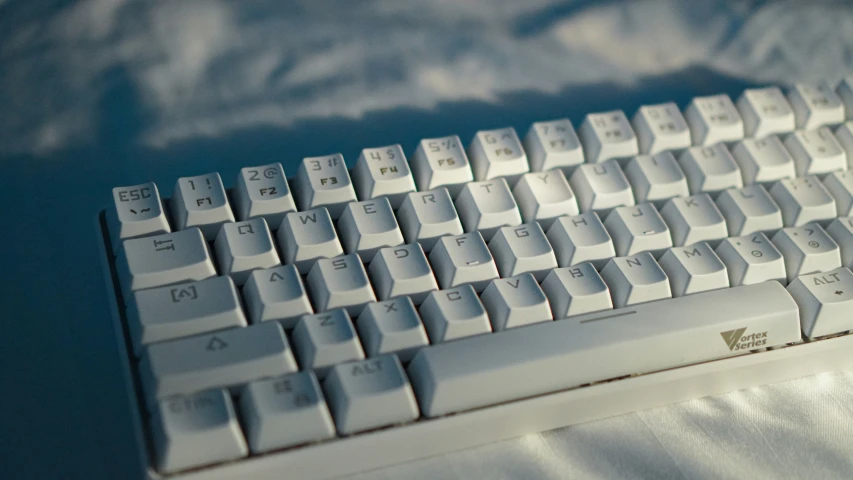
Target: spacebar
[{"x": 513, "y": 364}]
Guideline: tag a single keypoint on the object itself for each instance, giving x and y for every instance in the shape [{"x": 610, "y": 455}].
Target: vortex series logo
[{"x": 738, "y": 340}]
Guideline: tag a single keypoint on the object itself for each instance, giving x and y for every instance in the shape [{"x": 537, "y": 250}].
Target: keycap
[
  {"x": 284, "y": 411},
  {"x": 748, "y": 210},
  {"x": 201, "y": 202},
  {"x": 553, "y": 145},
  {"x": 765, "y": 111},
  {"x": 339, "y": 283},
  {"x": 710, "y": 169},
  {"x": 751, "y": 259},
  {"x": 276, "y": 294},
  {"x": 601, "y": 187},
  {"x": 694, "y": 219},
  {"x": 515, "y": 301},
  {"x": 544, "y": 196},
  {"x": 806, "y": 249},
  {"x": 369, "y": 394},
  {"x": 323, "y": 182},
  {"x": 803, "y": 200},
  {"x": 844, "y": 135},
  {"x": 325, "y": 339},
  {"x": 638, "y": 229},
  {"x": 263, "y": 192},
  {"x": 454, "y": 313},
  {"x": 463, "y": 259},
  {"x": 844, "y": 91},
  {"x": 660, "y": 128},
  {"x": 635, "y": 279},
  {"x": 391, "y": 326},
  {"x": 165, "y": 313},
  {"x": 219, "y": 359},
  {"x": 367, "y": 226},
  {"x": 425, "y": 216},
  {"x": 815, "y": 105},
  {"x": 824, "y": 300},
  {"x": 713, "y": 119},
  {"x": 693, "y": 269},
  {"x": 477, "y": 372},
  {"x": 245, "y": 246},
  {"x": 522, "y": 249},
  {"x": 576, "y": 290},
  {"x": 497, "y": 153},
  {"x": 304, "y": 237},
  {"x": 763, "y": 160},
  {"x": 841, "y": 230},
  {"x": 607, "y": 135},
  {"x": 816, "y": 152},
  {"x": 383, "y": 171},
  {"x": 196, "y": 430},
  {"x": 581, "y": 238},
  {"x": 137, "y": 212},
  {"x": 403, "y": 270},
  {"x": 441, "y": 162},
  {"x": 656, "y": 179},
  {"x": 486, "y": 207}
]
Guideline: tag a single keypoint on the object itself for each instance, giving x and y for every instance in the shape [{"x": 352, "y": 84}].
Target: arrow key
[{"x": 825, "y": 300}]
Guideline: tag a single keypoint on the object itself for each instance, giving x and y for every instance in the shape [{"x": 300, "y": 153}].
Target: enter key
[{"x": 825, "y": 300}]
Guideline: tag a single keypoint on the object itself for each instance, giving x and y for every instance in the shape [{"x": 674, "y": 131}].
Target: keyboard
[{"x": 353, "y": 316}]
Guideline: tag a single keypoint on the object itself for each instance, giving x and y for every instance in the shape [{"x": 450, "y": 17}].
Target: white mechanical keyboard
[{"x": 346, "y": 319}]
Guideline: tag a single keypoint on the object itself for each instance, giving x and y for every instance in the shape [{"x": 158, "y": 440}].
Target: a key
[
  {"x": 454, "y": 313},
  {"x": 807, "y": 249},
  {"x": 307, "y": 236},
  {"x": 815, "y": 105},
  {"x": 825, "y": 300},
  {"x": 656, "y": 179},
  {"x": 497, "y": 153},
  {"x": 383, "y": 171},
  {"x": 276, "y": 294},
  {"x": 844, "y": 91},
  {"x": 245, "y": 246},
  {"x": 579, "y": 239},
  {"x": 710, "y": 169},
  {"x": 523, "y": 249},
  {"x": 544, "y": 196},
  {"x": 749, "y": 210},
  {"x": 323, "y": 182},
  {"x": 694, "y": 269},
  {"x": 391, "y": 326},
  {"x": 803, "y": 200},
  {"x": 601, "y": 187},
  {"x": 487, "y": 206},
  {"x": 694, "y": 219},
  {"x": 367, "y": 226},
  {"x": 426, "y": 216},
  {"x": 841, "y": 230},
  {"x": 635, "y": 279},
  {"x": 660, "y": 128},
  {"x": 325, "y": 339},
  {"x": 552, "y": 145},
  {"x": 201, "y": 202},
  {"x": 763, "y": 160},
  {"x": 816, "y": 152},
  {"x": 638, "y": 229},
  {"x": 463, "y": 259},
  {"x": 263, "y": 192},
  {"x": 751, "y": 259},
  {"x": 713, "y": 119},
  {"x": 403, "y": 270},
  {"x": 515, "y": 301},
  {"x": 369, "y": 394},
  {"x": 576, "y": 290},
  {"x": 441, "y": 162},
  {"x": 844, "y": 135},
  {"x": 340, "y": 283},
  {"x": 137, "y": 212},
  {"x": 765, "y": 111},
  {"x": 607, "y": 135},
  {"x": 284, "y": 411}
]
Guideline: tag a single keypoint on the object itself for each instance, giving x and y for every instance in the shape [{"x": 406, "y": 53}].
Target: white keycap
[
  {"x": 840, "y": 186},
  {"x": 522, "y": 249},
  {"x": 497, "y": 153},
  {"x": 454, "y": 313},
  {"x": 403, "y": 270},
  {"x": 441, "y": 162},
  {"x": 245, "y": 246},
  {"x": 825, "y": 301},
  {"x": 656, "y": 178},
  {"x": 763, "y": 160},
  {"x": 576, "y": 290},
  {"x": 710, "y": 169},
  {"x": 137, "y": 212},
  {"x": 426, "y": 216},
  {"x": 553, "y": 144},
  {"x": 751, "y": 259},
  {"x": 201, "y": 202},
  {"x": 635, "y": 279},
  {"x": 638, "y": 229},
  {"x": 607, "y": 135},
  {"x": 694, "y": 219},
  {"x": 749, "y": 210},
  {"x": 285, "y": 411},
  {"x": 544, "y": 196},
  {"x": 463, "y": 259},
  {"x": 276, "y": 294},
  {"x": 339, "y": 283},
  {"x": 487, "y": 206},
  {"x": 369, "y": 394},
  {"x": 807, "y": 249},
  {"x": 196, "y": 430},
  {"x": 263, "y": 192},
  {"x": 367, "y": 226},
  {"x": 844, "y": 135},
  {"x": 660, "y": 128},
  {"x": 765, "y": 111},
  {"x": 815, "y": 105},
  {"x": 391, "y": 326},
  {"x": 325, "y": 339},
  {"x": 694, "y": 269},
  {"x": 580, "y": 239},
  {"x": 303, "y": 237},
  {"x": 816, "y": 151},
  {"x": 841, "y": 230},
  {"x": 844, "y": 90},
  {"x": 515, "y": 301},
  {"x": 803, "y": 200},
  {"x": 383, "y": 171},
  {"x": 601, "y": 187},
  {"x": 713, "y": 119},
  {"x": 323, "y": 182}
]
